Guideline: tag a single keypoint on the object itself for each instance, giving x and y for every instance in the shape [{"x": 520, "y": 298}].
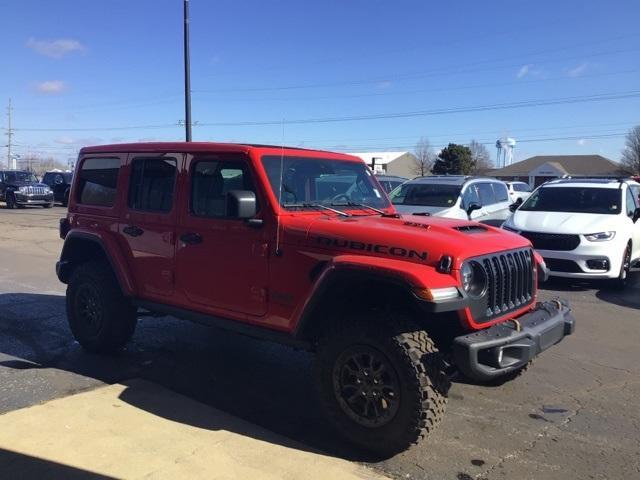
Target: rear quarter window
[
  {"x": 500, "y": 192},
  {"x": 97, "y": 181}
]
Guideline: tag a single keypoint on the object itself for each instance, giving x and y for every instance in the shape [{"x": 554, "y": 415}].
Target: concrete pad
[{"x": 139, "y": 429}]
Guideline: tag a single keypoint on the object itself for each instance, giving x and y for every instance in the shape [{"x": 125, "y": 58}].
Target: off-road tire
[
  {"x": 423, "y": 385},
  {"x": 10, "y": 201},
  {"x": 48, "y": 205},
  {"x": 101, "y": 318}
]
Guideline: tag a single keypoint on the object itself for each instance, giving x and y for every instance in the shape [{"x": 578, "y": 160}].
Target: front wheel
[
  {"x": 621, "y": 282},
  {"x": 10, "y": 201},
  {"x": 383, "y": 388},
  {"x": 101, "y": 318}
]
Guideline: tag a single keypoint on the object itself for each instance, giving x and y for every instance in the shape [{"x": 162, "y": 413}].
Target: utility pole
[
  {"x": 10, "y": 135},
  {"x": 187, "y": 75}
]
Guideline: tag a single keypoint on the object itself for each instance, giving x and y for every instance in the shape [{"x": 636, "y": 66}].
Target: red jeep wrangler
[{"x": 303, "y": 247}]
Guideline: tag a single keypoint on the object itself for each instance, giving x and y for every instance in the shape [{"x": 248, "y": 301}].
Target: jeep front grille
[
  {"x": 34, "y": 191},
  {"x": 510, "y": 284}
]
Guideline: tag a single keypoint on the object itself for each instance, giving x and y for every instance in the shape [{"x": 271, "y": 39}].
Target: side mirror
[
  {"x": 472, "y": 207},
  {"x": 241, "y": 204},
  {"x": 636, "y": 215},
  {"x": 514, "y": 206}
]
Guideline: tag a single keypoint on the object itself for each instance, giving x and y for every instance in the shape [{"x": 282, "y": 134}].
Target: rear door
[
  {"x": 222, "y": 262},
  {"x": 500, "y": 208},
  {"x": 147, "y": 224}
]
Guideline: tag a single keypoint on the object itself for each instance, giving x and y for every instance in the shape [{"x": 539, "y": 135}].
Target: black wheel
[
  {"x": 48, "y": 205},
  {"x": 620, "y": 283},
  {"x": 101, "y": 318},
  {"x": 382, "y": 384},
  {"x": 10, "y": 201},
  {"x": 65, "y": 199}
]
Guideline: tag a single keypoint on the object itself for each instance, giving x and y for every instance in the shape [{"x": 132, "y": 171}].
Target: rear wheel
[
  {"x": 101, "y": 318},
  {"x": 383, "y": 387}
]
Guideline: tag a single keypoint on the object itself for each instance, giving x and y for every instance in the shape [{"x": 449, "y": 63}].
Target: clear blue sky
[{"x": 97, "y": 65}]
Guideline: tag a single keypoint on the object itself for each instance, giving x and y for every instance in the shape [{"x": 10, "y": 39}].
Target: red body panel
[{"x": 235, "y": 272}]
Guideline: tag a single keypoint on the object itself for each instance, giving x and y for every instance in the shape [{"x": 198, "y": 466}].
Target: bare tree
[
  {"x": 631, "y": 153},
  {"x": 424, "y": 158},
  {"x": 481, "y": 158}
]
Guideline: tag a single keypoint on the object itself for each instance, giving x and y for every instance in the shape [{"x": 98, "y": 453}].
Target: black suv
[
  {"x": 60, "y": 183},
  {"x": 19, "y": 189}
]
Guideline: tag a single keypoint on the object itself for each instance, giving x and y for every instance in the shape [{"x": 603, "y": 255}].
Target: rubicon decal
[{"x": 371, "y": 247}]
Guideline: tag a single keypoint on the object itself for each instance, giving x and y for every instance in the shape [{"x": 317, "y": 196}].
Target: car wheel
[
  {"x": 10, "y": 201},
  {"x": 621, "y": 282},
  {"x": 382, "y": 388},
  {"x": 101, "y": 318},
  {"x": 48, "y": 205},
  {"x": 65, "y": 200}
]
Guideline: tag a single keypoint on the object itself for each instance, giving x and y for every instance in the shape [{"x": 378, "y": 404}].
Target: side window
[
  {"x": 152, "y": 183},
  {"x": 521, "y": 187},
  {"x": 635, "y": 191},
  {"x": 97, "y": 182},
  {"x": 631, "y": 203},
  {"x": 470, "y": 196},
  {"x": 500, "y": 192},
  {"x": 485, "y": 192},
  {"x": 211, "y": 181}
]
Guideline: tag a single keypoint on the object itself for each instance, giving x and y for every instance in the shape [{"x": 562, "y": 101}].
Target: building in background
[
  {"x": 539, "y": 169},
  {"x": 402, "y": 164}
]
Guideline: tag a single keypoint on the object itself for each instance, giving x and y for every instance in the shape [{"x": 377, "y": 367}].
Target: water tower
[{"x": 505, "y": 147}]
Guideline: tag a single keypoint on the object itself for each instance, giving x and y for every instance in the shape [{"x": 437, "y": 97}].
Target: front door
[
  {"x": 221, "y": 262},
  {"x": 147, "y": 226}
]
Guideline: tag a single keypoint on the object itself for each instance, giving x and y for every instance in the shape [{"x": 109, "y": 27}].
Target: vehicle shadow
[
  {"x": 262, "y": 383},
  {"x": 17, "y": 465},
  {"x": 628, "y": 297}
]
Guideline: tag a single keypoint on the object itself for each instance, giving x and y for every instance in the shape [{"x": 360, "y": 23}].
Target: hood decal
[{"x": 371, "y": 247}]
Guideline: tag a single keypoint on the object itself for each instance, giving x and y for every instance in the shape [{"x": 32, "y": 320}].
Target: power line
[
  {"x": 444, "y": 111},
  {"x": 600, "y": 97},
  {"x": 454, "y": 69}
]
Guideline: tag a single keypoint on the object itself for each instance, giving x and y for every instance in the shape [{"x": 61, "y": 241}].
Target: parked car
[
  {"x": 60, "y": 183},
  {"x": 584, "y": 228},
  {"x": 242, "y": 237},
  {"x": 480, "y": 199},
  {"x": 389, "y": 182},
  {"x": 19, "y": 189},
  {"x": 518, "y": 191}
]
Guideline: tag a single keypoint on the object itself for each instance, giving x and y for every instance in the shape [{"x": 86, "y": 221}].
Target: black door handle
[
  {"x": 133, "y": 231},
  {"x": 191, "y": 238}
]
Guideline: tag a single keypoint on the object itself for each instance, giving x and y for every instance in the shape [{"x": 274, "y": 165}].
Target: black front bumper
[{"x": 509, "y": 346}]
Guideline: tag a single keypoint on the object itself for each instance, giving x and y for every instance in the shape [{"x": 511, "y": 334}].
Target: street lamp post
[{"x": 187, "y": 75}]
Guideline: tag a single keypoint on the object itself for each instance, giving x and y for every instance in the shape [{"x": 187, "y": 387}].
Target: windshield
[
  {"x": 426, "y": 195},
  {"x": 322, "y": 181},
  {"x": 20, "y": 177},
  {"x": 574, "y": 199}
]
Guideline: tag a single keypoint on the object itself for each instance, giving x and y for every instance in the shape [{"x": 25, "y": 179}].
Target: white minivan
[
  {"x": 480, "y": 199},
  {"x": 583, "y": 227}
]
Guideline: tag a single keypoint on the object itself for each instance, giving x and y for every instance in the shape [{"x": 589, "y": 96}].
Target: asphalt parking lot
[{"x": 575, "y": 414}]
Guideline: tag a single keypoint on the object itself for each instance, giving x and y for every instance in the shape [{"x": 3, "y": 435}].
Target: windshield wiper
[
  {"x": 364, "y": 205},
  {"x": 316, "y": 205}
]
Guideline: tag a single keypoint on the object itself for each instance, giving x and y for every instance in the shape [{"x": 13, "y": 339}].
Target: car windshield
[
  {"x": 575, "y": 199},
  {"x": 24, "y": 177},
  {"x": 426, "y": 195},
  {"x": 322, "y": 181}
]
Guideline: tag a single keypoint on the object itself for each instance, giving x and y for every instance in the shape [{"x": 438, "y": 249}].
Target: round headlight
[{"x": 474, "y": 279}]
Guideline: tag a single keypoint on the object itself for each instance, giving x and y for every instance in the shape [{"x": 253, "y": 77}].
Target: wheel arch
[
  {"x": 81, "y": 247},
  {"x": 344, "y": 288}
]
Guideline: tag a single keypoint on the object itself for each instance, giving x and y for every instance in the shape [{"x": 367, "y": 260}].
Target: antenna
[{"x": 278, "y": 251}]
